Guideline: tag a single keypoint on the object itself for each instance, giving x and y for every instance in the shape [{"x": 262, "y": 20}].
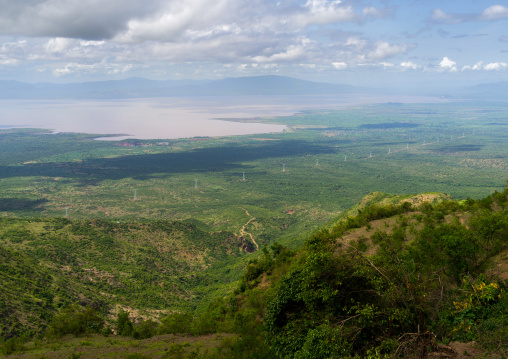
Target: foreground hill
[{"x": 397, "y": 277}]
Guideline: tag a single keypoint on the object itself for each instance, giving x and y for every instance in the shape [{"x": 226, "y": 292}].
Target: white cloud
[
  {"x": 72, "y": 37},
  {"x": 92, "y": 43},
  {"x": 308, "y": 66},
  {"x": 79, "y": 68},
  {"x": 373, "y": 12},
  {"x": 121, "y": 70},
  {"x": 5, "y": 60},
  {"x": 476, "y": 67},
  {"x": 195, "y": 17},
  {"x": 293, "y": 52},
  {"x": 176, "y": 31},
  {"x": 496, "y": 66},
  {"x": 440, "y": 16},
  {"x": 494, "y": 12},
  {"x": 384, "y": 50},
  {"x": 339, "y": 65},
  {"x": 356, "y": 42},
  {"x": 62, "y": 71},
  {"x": 58, "y": 44},
  {"x": 13, "y": 52},
  {"x": 448, "y": 65},
  {"x": 492, "y": 66},
  {"x": 325, "y": 12},
  {"x": 409, "y": 65}
]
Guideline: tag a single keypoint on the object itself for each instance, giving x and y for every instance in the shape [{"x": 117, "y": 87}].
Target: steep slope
[
  {"x": 391, "y": 281},
  {"x": 51, "y": 263}
]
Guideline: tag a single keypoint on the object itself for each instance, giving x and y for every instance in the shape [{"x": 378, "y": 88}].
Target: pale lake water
[{"x": 171, "y": 118}]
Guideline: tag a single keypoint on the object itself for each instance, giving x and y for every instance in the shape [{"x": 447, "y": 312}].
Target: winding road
[{"x": 243, "y": 233}]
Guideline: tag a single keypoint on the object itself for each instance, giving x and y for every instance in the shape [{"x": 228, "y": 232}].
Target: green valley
[{"x": 275, "y": 245}]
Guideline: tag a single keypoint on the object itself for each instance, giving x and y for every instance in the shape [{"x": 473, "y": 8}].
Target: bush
[
  {"x": 145, "y": 329},
  {"x": 176, "y": 323},
  {"x": 123, "y": 324},
  {"x": 12, "y": 345},
  {"x": 77, "y": 321}
]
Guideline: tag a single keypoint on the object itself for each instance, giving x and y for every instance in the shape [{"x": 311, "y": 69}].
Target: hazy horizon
[{"x": 381, "y": 43}]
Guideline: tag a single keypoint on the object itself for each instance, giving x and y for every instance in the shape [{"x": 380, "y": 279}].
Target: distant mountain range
[
  {"x": 271, "y": 85},
  {"x": 488, "y": 91},
  {"x": 140, "y": 87}
]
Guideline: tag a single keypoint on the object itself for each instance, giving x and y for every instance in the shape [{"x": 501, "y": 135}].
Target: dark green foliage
[
  {"x": 146, "y": 329},
  {"x": 333, "y": 306},
  {"x": 176, "y": 323},
  {"x": 124, "y": 325},
  {"x": 75, "y": 320},
  {"x": 13, "y": 345},
  {"x": 264, "y": 264},
  {"x": 336, "y": 302},
  {"x": 27, "y": 290},
  {"x": 490, "y": 229}
]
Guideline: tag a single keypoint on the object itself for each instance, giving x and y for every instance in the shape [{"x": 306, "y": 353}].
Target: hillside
[
  {"x": 401, "y": 276},
  {"x": 48, "y": 264}
]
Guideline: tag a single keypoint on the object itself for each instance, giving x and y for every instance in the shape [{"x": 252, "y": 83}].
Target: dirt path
[{"x": 243, "y": 233}]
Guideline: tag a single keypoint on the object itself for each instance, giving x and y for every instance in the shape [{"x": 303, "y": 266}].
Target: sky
[{"x": 395, "y": 43}]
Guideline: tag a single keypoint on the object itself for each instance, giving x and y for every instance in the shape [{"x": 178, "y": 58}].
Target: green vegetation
[
  {"x": 145, "y": 265},
  {"x": 424, "y": 276},
  {"x": 165, "y": 245},
  {"x": 394, "y": 280},
  {"x": 454, "y": 148}
]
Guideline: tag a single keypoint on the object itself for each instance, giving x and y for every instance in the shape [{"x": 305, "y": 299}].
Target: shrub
[
  {"x": 12, "y": 345},
  {"x": 145, "y": 329},
  {"x": 176, "y": 323},
  {"x": 77, "y": 321},
  {"x": 123, "y": 324}
]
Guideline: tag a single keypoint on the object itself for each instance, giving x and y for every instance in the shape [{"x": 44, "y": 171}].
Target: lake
[{"x": 171, "y": 118}]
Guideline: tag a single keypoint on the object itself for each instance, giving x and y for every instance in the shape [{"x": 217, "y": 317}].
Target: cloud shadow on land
[
  {"x": 143, "y": 167},
  {"x": 458, "y": 148},
  {"x": 21, "y": 204}
]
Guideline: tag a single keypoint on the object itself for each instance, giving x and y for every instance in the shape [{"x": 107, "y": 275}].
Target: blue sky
[{"x": 365, "y": 43}]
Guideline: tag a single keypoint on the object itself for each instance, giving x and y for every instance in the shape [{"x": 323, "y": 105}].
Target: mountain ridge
[
  {"x": 137, "y": 87},
  {"x": 265, "y": 85}
]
